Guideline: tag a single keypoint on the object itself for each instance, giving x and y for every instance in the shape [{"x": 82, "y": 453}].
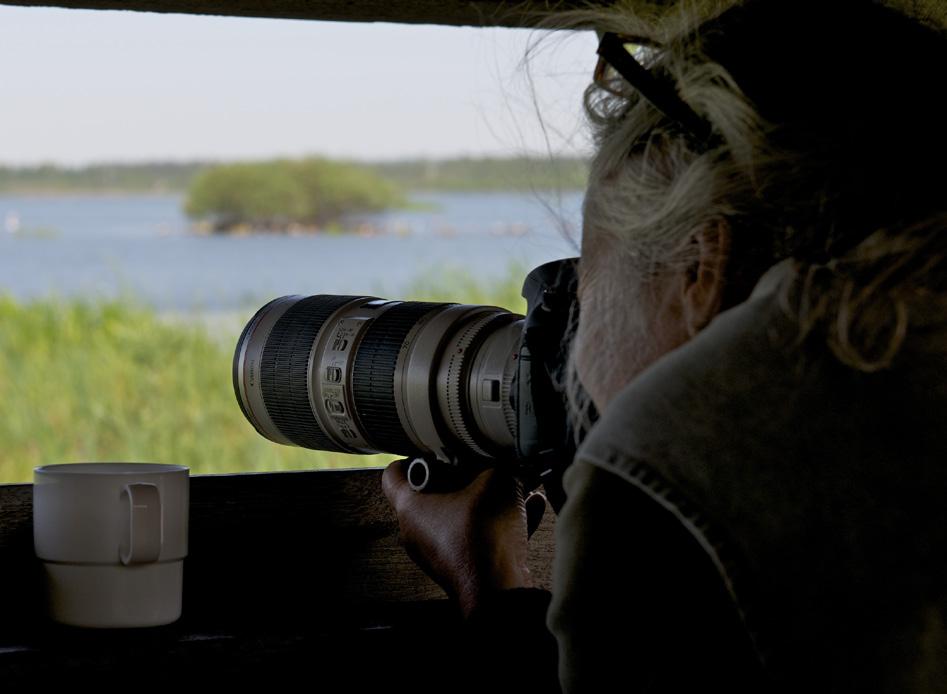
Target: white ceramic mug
[{"x": 112, "y": 538}]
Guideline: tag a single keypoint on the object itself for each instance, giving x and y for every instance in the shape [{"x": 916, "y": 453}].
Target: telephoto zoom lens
[{"x": 359, "y": 374}]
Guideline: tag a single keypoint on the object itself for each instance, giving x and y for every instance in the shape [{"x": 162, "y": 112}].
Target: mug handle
[{"x": 141, "y": 539}]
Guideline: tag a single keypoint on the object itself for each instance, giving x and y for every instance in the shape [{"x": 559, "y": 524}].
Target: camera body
[{"x": 455, "y": 387}]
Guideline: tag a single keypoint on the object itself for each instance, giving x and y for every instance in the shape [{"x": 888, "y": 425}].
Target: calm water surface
[{"x": 103, "y": 246}]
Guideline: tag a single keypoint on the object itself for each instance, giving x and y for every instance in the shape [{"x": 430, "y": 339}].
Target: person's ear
[{"x": 703, "y": 288}]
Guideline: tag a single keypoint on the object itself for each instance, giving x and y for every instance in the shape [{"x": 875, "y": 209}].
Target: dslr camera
[{"x": 453, "y": 387}]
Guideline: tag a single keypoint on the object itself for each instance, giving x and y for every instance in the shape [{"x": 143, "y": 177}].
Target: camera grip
[{"x": 141, "y": 538}]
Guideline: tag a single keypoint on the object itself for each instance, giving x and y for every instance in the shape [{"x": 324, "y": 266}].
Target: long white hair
[{"x": 846, "y": 189}]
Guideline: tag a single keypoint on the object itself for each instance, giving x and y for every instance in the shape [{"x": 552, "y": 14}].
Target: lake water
[{"x": 100, "y": 246}]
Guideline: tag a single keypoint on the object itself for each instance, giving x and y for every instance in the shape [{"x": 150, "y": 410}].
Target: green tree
[{"x": 276, "y": 194}]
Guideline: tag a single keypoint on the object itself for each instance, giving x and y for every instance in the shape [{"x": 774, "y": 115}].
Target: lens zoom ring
[
  {"x": 373, "y": 378},
  {"x": 284, "y": 369}
]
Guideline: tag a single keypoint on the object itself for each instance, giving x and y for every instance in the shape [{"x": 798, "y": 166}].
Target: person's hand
[{"x": 472, "y": 541}]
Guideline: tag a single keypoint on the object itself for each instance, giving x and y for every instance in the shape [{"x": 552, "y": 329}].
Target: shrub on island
[{"x": 285, "y": 194}]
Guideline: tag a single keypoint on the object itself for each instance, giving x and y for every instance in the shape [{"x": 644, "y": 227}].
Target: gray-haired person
[{"x": 762, "y": 504}]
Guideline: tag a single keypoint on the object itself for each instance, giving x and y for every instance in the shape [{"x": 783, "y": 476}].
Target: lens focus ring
[
  {"x": 373, "y": 377},
  {"x": 284, "y": 369}
]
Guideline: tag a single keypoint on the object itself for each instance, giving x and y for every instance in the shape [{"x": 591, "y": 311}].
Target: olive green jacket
[{"x": 811, "y": 497}]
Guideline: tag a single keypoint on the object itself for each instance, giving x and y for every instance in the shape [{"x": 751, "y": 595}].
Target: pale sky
[{"x": 78, "y": 87}]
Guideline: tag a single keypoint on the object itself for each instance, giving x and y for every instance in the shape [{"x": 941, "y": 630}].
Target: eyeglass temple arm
[{"x": 661, "y": 94}]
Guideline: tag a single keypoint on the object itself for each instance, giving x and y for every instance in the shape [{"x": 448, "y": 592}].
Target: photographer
[{"x": 763, "y": 290}]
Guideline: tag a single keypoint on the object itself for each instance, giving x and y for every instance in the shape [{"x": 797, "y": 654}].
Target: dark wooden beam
[
  {"x": 285, "y": 548},
  {"x": 449, "y": 12},
  {"x": 292, "y": 578}
]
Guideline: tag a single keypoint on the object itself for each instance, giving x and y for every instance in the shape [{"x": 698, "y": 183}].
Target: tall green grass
[
  {"x": 112, "y": 380},
  {"x": 455, "y": 284}
]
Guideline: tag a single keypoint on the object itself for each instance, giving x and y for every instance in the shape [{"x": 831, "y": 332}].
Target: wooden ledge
[{"x": 277, "y": 563}]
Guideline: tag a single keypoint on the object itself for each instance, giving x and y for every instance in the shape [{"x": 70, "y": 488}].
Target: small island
[{"x": 312, "y": 195}]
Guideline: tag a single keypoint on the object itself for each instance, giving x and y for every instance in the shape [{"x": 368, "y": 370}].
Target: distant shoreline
[
  {"x": 514, "y": 174},
  {"x": 122, "y": 193},
  {"x": 87, "y": 193}
]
